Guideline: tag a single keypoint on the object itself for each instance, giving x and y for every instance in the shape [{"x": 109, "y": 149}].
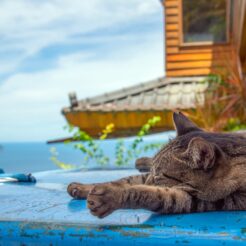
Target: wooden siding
[
  {"x": 239, "y": 22},
  {"x": 189, "y": 60},
  {"x": 240, "y": 31}
]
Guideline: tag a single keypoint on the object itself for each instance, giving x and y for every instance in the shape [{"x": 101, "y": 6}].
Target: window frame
[{"x": 208, "y": 43}]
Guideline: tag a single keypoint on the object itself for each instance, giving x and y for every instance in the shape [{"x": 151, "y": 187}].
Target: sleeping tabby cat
[{"x": 195, "y": 172}]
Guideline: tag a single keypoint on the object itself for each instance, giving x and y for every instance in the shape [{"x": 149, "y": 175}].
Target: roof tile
[{"x": 159, "y": 94}]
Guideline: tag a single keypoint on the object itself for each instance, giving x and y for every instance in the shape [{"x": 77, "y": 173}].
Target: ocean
[{"x": 35, "y": 157}]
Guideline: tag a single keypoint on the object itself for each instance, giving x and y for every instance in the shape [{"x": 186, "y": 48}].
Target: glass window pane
[{"x": 204, "y": 21}]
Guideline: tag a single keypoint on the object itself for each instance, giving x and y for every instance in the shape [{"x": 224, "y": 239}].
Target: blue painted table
[{"x": 43, "y": 214}]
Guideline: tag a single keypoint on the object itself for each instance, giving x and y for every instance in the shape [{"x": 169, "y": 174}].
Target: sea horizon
[{"x": 34, "y": 156}]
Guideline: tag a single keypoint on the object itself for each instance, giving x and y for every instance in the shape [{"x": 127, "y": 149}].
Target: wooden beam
[
  {"x": 171, "y": 4},
  {"x": 172, "y": 20},
  {"x": 172, "y": 27},
  {"x": 172, "y": 11},
  {"x": 188, "y": 72},
  {"x": 242, "y": 51},
  {"x": 172, "y": 34},
  {"x": 172, "y": 42},
  {"x": 195, "y": 64}
]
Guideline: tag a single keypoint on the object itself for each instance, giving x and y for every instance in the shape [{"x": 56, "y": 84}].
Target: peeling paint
[{"x": 31, "y": 216}]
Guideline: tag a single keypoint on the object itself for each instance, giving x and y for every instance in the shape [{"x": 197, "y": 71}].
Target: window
[{"x": 204, "y": 21}]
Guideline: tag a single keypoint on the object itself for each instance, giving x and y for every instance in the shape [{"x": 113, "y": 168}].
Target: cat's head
[
  {"x": 194, "y": 147},
  {"x": 194, "y": 157}
]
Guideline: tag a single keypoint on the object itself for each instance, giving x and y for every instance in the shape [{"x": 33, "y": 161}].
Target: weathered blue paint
[{"x": 43, "y": 214}]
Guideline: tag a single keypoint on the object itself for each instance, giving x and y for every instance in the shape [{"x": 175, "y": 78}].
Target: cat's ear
[
  {"x": 183, "y": 125},
  {"x": 201, "y": 154}
]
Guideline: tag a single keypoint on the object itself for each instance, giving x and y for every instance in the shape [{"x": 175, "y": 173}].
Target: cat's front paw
[
  {"x": 79, "y": 191},
  {"x": 104, "y": 199},
  {"x": 143, "y": 164}
]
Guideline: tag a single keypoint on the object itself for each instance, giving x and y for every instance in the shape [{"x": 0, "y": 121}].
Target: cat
[{"x": 195, "y": 172}]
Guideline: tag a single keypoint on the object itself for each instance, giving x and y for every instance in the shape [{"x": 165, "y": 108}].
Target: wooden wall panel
[
  {"x": 171, "y": 4},
  {"x": 172, "y": 19},
  {"x": 188, "y": 60},
  {"x": 194, "y": 64},
  {"x": 173, "y": 34},
  {"x": 188, "y": 72},
  {"x": 172, "y": 27},
  {"x": 172, "y": 42},
  {"x": 239, "y": 16},
  {"x": 241, "y": 45},
  {"x": 202, "y": 56},
  {"x": 172, "y": 11},
  {"x": 244, "y": 69}
]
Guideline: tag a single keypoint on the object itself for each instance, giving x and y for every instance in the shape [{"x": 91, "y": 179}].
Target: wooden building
[{"x": 201, "y": 37}]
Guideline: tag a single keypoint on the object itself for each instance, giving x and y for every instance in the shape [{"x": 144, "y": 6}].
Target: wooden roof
[{"x": 160, "y": 94}]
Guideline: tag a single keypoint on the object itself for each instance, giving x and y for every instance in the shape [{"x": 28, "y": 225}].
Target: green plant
[
  {"x": 125, "y": 156},
  {"x": 88, "y": 146},
  {"x": 145, "y": 130},
  {"x": 212, "y": 112},
  {"x": 91, "y": 149},
  {"x": 224, "y": 106},
  {"x": 60, "y": 164},
  {"x": 234, "y": 124}
]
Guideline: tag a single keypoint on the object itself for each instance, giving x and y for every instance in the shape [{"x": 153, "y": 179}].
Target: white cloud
[
  {"x": 30, "y": 102},
  {"x": 28, "y": 26}
]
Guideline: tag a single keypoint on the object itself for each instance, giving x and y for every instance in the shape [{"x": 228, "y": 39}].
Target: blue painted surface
[{"x": 42, "y": 213}]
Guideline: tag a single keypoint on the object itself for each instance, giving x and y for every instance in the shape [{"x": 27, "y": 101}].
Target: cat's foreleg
[
  {"x": 81, "y": 191},
  {"x": 104, "y": 199}
]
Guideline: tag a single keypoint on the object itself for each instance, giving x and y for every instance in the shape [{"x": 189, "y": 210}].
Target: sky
[{"x": 49, "y": 48}]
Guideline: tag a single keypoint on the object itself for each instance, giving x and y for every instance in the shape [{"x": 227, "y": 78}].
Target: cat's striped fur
[{"x": 197, "y": 171}]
